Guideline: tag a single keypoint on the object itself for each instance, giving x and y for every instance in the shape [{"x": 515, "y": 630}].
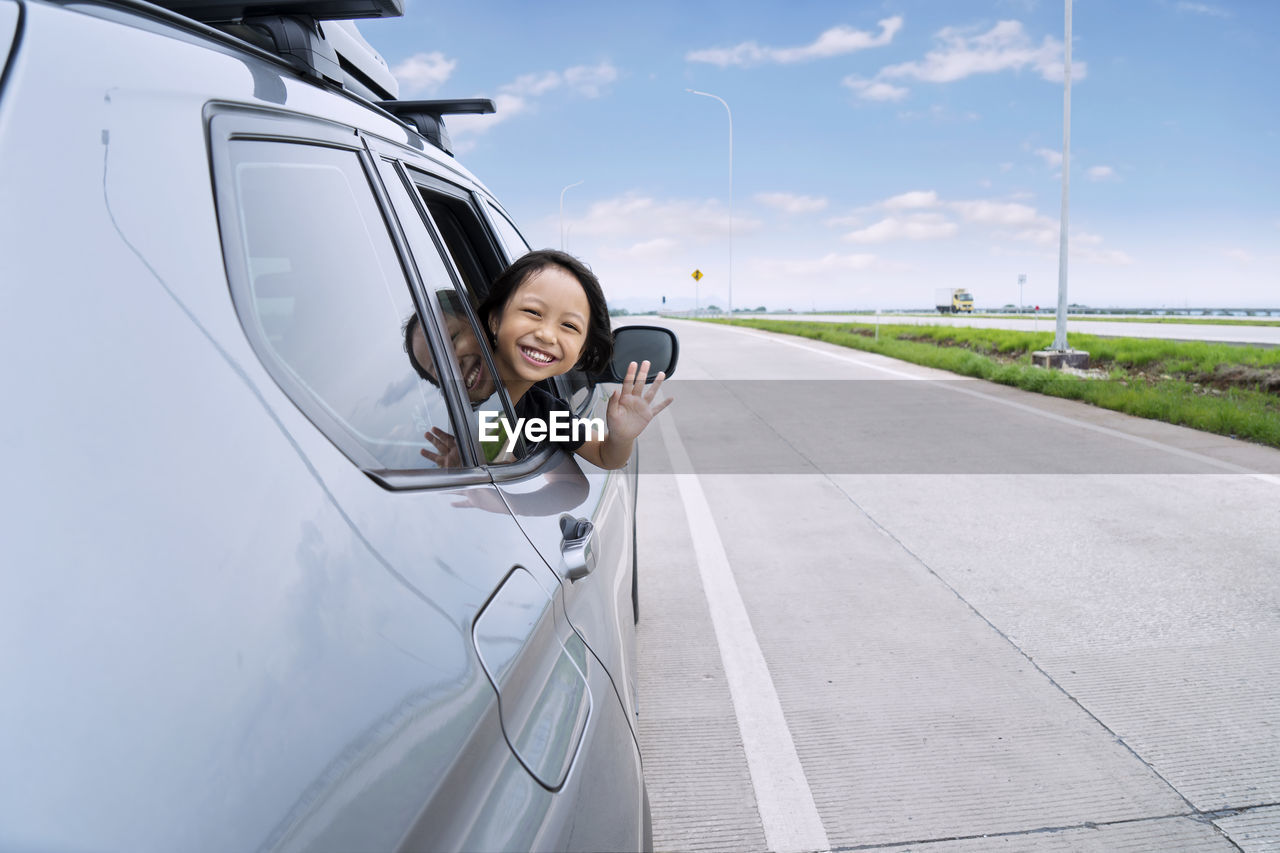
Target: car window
[
  {"x": 508, "y": 236},
  {"x": 326, "y": 302},
  {"x": 461, "y": 249},
  {"x": 474, "y": 253}
]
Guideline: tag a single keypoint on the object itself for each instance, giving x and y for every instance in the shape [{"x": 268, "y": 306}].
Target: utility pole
[
  {"x": 1059, "y": 354},
  {"x": 1060, "y": 336}
]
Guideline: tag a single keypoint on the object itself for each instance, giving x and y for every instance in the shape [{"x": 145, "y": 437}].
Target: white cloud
[
  {"x": 829, "y": 263},
  {"x": 655, "y": 248},
  {"x": 1239, "y": 256},
  {"x": 921, "y": 226},
  {"x": 644, "y": 219},
  {"x": 962, "y": 53},
  {"x": 834, "y": 42},
  {"x": 1101, "y": 173},
  {"x": 1204, "y": 9},
  {"x": 590, "y": 80},
  {"x": 996, "y": 212},
  {"x": 533, "y": 85},
  {"x": 852, "y": 220},
  {"x": 423, "y": 73},
  {"x": 586, "y": 80},
  {"x": 792, "y": 203},
  {"x": 1052, "y": 159},
  {"x": 520, "y": 94},
  {"x": 1042, "y": 235},
  {"x": 875, "y": 90},
  {"x": 912, "y": 200},
  {"x": 1005, "y": 47}
]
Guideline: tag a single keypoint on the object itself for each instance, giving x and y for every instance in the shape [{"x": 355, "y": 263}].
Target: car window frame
[
  {"x": 418, "y": 179},
  {"x": 226, "y": 124}
]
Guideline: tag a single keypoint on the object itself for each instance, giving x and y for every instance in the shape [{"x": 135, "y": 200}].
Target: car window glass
[
  {"x": 461, "y": 249},
  {"x": 473, "y": 357},
  {"x": 327, "y": 302},
  {"x": 508, "y": 236},
  {"x": 460, "y": 228},
  {"x": 473, "y": 369}
]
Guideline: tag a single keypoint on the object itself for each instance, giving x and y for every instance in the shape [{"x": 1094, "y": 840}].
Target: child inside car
[{"x": 546, "y": 314}]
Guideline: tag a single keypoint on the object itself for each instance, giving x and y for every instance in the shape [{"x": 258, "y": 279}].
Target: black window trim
[
  {"x": 416, "y": 178},
  {"x": 227, "y": 124},
  {"x": 407, "y": 173}
]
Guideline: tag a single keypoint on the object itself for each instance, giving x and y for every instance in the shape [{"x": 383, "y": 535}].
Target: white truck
[{"x": 954, "y": 300}]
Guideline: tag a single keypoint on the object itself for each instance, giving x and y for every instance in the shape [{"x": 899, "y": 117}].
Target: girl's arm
[{"x": 630, "y": 409}]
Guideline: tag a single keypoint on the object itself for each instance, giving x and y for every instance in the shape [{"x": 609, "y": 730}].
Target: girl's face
[{"x": 541, "y": 330}]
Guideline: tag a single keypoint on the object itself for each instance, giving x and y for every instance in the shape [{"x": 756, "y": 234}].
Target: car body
[{"x": 238, "y": 610}]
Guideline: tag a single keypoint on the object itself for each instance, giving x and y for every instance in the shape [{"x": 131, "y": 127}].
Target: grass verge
[
  {"x": 1099, "y": 318},
  {"x": 1220, "y": 388}
]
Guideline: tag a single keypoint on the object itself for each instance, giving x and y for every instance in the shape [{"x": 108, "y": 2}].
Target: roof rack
[
  {"x": 427, "y": 117},
  {"x": 223, "y": 11},
  {"x": 291, "y": 29}
]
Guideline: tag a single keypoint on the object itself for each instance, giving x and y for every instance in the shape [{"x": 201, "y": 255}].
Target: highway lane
[
  {"x": 886, "y": 608},
  {"x": 1243, "y": 333}
]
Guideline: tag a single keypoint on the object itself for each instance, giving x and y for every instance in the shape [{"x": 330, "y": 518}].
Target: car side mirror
[{"x": 654, "y": 344}]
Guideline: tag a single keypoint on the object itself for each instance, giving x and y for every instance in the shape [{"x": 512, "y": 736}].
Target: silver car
[{"x": 247, "y": 602}]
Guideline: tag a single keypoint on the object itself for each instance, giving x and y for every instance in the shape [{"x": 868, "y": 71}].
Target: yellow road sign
[{"x": 697, "y": 275}]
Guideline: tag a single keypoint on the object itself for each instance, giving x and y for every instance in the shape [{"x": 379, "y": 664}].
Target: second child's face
[{"x": 542, "y": 329}]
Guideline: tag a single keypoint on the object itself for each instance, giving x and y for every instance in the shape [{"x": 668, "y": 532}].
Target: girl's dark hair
[{"x": 598, "y": 348}]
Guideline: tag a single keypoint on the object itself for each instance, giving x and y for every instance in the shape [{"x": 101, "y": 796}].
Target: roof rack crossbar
[
  {"x": 231, "y": 11},
  {"x": 427, "y": 117}
]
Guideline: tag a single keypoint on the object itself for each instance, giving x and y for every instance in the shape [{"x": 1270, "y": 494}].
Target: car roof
[{"x": 363, "y": 78}]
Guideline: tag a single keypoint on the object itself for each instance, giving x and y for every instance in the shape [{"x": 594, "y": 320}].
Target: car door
[
  {"x": 546, "y": 490},
  {"x": 479, "y": 720}
]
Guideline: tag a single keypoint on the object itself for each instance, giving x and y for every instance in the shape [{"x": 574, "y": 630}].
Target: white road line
[
  {"x": 1230, "y": 467},
  {"x": 783, "y": 797}
]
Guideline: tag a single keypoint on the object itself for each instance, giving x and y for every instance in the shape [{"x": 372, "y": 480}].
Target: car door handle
[{"x": 577, "y": 548}]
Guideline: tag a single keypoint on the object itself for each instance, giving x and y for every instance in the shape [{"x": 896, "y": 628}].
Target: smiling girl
[{"x": 546, "y": 314}]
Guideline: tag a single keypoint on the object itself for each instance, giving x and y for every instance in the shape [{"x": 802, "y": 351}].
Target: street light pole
[
  {"x": 1059, "y": 354},
  {"x": 730, "y": 112},
  {"x": 562, "y": 192},
  {"x": 1060, "y": 336}
]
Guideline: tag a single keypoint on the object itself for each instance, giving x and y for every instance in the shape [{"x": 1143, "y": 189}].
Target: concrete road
[
  {"x": 886, "y": 609},
  {"x": 1244, "y": 333}
]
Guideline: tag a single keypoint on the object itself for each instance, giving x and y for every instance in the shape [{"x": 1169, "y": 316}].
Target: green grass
[
  {"x": 1147, "y": 378},
  {"x": 1101, "y": 318},
  {"x": 1197, "y": 321}
]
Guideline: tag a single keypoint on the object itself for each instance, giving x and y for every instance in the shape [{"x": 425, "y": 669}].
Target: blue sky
[{"x": 880, "y": 149}]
